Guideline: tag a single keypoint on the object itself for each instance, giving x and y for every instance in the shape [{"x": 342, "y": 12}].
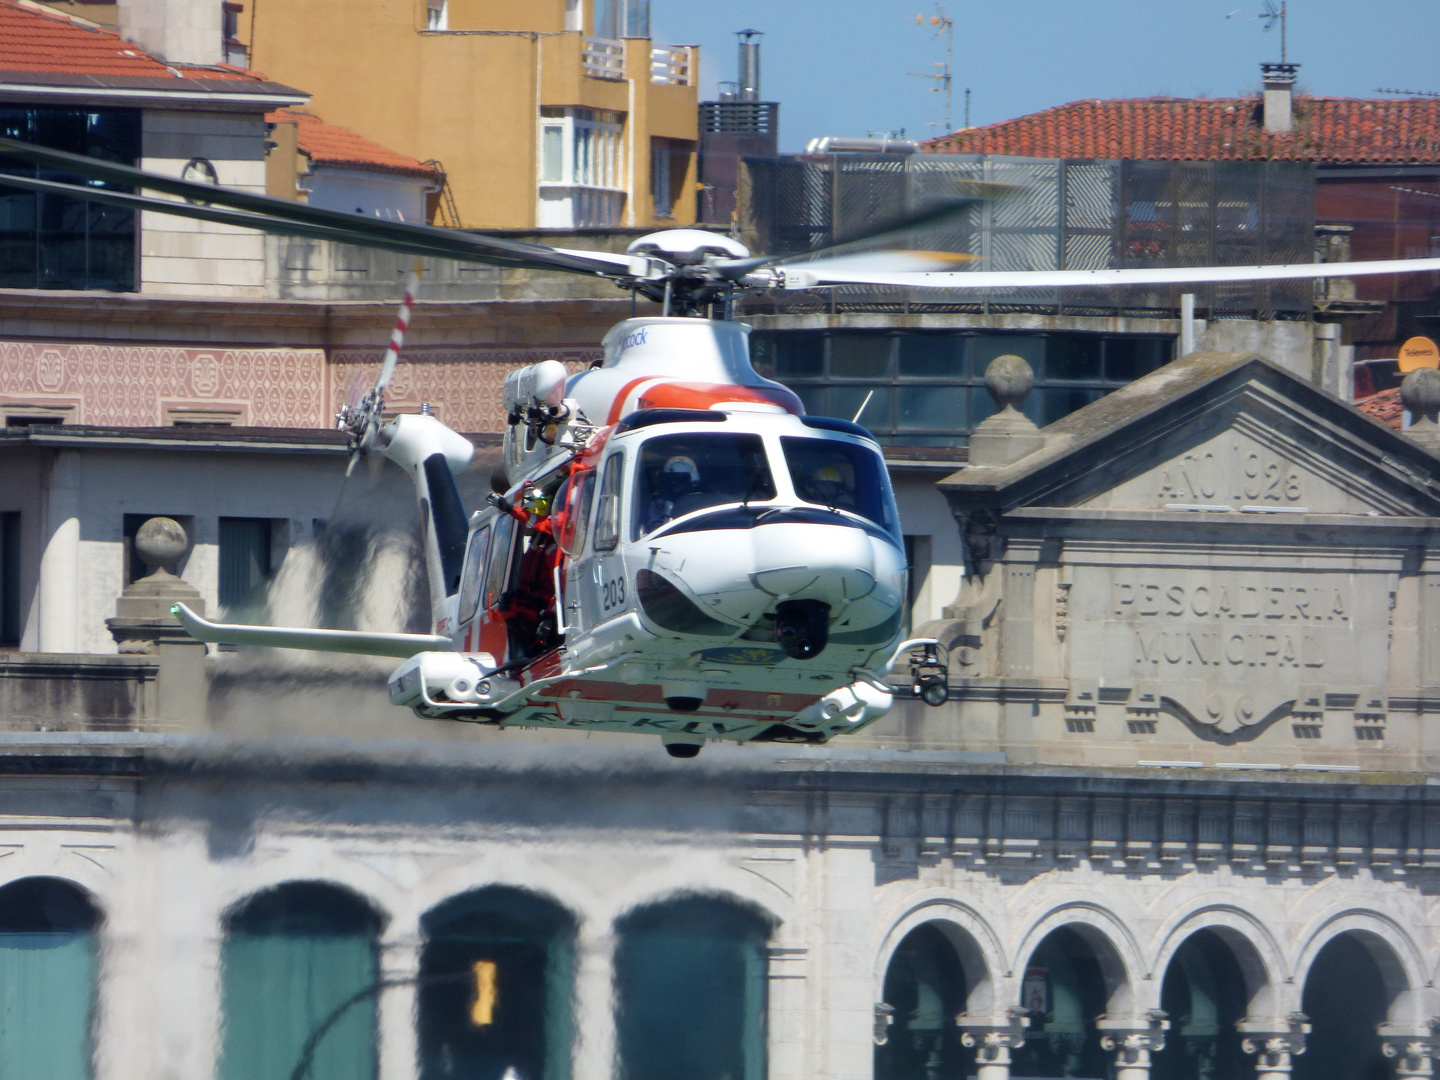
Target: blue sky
[{"x": 839, "y": 67}]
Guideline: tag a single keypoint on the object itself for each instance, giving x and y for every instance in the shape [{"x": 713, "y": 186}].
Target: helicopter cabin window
[
  {"x": 841, "y": 476},
  {"x": 679, "y": 474},
  {"x": 607, "y": 506},
  {"x": 475, "y": 558},
  {"x": 573, "y": 501},
  {"x": 499, "y": 561}
]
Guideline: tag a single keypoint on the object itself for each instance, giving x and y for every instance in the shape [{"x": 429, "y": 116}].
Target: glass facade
[
  {"x": 52, "y": 242},
  {"x": 927, "y": 388}
]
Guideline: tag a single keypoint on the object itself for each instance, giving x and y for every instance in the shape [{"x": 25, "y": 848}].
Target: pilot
[
  {"x": 677, "y": 491},
  {"x": 827, "y": 486}
]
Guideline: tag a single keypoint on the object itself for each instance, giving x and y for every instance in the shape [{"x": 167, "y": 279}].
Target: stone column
[
  {"x": 1133, "y": 1042},
  {"x": 1275, "y": 1044},
  {"x": 1412, "y": 1049},
  {"x": 143, "y": 624},
  {"x": 993, "y": 1040},
  {"x": 396, "y": 1010},
  {"x": 595, "y": 1035}
]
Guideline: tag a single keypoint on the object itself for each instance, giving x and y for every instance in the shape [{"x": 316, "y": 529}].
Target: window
[
  {"x": 690, "y": 988},
  {"x": 498, "y": 971},
  {"x": 437, "y": 15},
  {"x": 552, "y": 168},
  {"x": 607, "y": 507},
  {"x": 10, "y": 579},
  {"x": 496, "y": 573},
  {"x": 622, "y": 18},
  {"x": 47, "y": 979},
  {"x": 54, "y": 242},
  {"x": 573, "y": 502},
  {"x": 927, "y": 388},
  {"x": 245, "y": 563},
  {"x": 660, "y": 164},
  {"x": 582, "y": 147},
  {"x": 292, "y": 957},
  {"x": 475, "y": 558},
  {"x": 841, "y": 476},
  {"x": 679, "y": 474}
]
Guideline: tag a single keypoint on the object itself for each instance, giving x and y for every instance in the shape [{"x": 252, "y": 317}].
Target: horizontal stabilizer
[{"x": 290, "y": 637}]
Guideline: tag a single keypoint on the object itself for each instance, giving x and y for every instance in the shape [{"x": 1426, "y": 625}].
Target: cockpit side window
[
  {"x": 679, "y": 474},
  {"x": 607, "y": 506},
  {"x": 475, "y": 557},
  {"x": 499, "y": 559},
  {"x": 574, "y": 511},
  {"x": 842, "y": 476}
]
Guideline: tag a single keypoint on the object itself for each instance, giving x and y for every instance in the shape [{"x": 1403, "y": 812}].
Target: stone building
[{"x": 1175, "y": 820}]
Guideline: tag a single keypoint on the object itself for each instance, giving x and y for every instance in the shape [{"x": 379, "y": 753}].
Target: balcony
[
  {"x": 603, "y": 58},
  {"x": 671, "y": 67}
]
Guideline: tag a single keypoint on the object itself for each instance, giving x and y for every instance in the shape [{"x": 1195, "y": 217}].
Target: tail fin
[{"x": 434, "y": 455}]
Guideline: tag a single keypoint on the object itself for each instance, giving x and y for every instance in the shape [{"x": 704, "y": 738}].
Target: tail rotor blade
[{"x": 402, "y": 324}]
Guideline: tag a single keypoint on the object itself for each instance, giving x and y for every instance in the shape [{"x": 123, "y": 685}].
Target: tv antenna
[
  {"x": 943, "y": 25},
  {"x": 1272, "y": 14}
]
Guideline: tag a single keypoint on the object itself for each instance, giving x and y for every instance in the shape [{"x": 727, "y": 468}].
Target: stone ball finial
[
  {"x": 1009, "y": 379},
  {"x": 160, "y": 542},
  {"x": 1420, "y": 393}
]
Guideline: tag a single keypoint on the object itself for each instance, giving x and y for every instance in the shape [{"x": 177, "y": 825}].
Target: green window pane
[
  {"x": 690, "y": 989},
  {"x": 933, "y": 408},
  {"x": 878, "y": 415},
  {"x": 1045, "y": 405},
  {"x": 799, "y": 356},
  {"x": 291, "y": 961},
  {"x": 245, "y": 566},
  {"x": 1072, "y": 357},
  {"x": 47, "y": 980},
  {"x": 1128, "y": 358},
  {"x": 860, "y": 356},
  {"x": 932, "y": 356},
  {"x": 553, "y": 154}
]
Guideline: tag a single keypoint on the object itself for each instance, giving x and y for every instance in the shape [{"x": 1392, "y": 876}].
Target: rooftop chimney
[
  {"x": 749, "y": 65},
  {"x": 1279, "y": 84}
]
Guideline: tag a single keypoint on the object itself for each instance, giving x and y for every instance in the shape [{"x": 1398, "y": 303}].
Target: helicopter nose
[{"x": 836, "y": 565}]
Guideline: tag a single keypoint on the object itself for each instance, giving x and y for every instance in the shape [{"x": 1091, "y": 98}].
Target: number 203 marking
[{"x": 612, "y": 593}]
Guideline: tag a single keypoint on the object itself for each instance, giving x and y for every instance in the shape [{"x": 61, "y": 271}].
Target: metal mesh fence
[{"x": 1051, "y": 215}]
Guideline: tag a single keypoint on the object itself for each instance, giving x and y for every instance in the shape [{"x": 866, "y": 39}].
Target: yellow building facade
[{"x": 537, "y": 121}]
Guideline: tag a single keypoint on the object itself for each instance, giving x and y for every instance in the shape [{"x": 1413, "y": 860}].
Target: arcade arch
[
  {"x": 931, "y": 975},
  {"x": 1355, "y": 982},
  {"x": 496, "y": 986},
  {"x": 1072, "y": 976},
  {"x": 47, "y": 979},
  {"x": 690, "y": 987},
  {"x": 299, "y": 964},
  {"x": 1206, "y": 990}
]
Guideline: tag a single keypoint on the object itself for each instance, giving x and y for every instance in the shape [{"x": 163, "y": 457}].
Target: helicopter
[{"x": 672, "y": 545}]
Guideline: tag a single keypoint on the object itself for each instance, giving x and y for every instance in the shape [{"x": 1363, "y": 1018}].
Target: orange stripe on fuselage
[{"x": 683, "y": 395}]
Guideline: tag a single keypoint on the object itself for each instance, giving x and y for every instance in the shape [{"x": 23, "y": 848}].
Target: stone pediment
[
  {"x": 1213, "y": 549},
  {"x": 1215, "y": 432}
]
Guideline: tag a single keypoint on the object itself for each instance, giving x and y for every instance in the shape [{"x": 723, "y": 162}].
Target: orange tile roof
[
  {"x": 1385, "y": 407},
  {"x": 330, "y": 144},
  {"x": 40, "y": 40},
  {"x": 1403, "y": 130}
]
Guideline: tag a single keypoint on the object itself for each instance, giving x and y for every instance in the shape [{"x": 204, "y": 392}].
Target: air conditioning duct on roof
[{"x": 831, "y": 144}]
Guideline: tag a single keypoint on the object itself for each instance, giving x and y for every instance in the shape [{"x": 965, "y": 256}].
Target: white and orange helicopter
[{"x": 674, "y": 547}]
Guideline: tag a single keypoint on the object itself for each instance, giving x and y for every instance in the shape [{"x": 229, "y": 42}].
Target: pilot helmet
[{"x": 680, "y": 474}]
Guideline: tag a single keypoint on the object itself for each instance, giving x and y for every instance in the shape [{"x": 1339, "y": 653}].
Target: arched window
[
  {"x": 496, "y": 983},
  {"x": 296, "y": 966},
  {"x": 690, "y": 985},
  {"x": 1346, "y": 998},
  {"x": 1204, "y": 995},
  {"x": 1064, "y": 989},
  {"x": 925, "y": 985},
  {"x": 47, "y": 980}
]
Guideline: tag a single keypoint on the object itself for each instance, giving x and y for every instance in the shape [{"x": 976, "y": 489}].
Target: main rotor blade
[
  {"x": 227, "y": 217},
  {"x": 813, "y": 276},
  {"x": 476, "y": 248},
  {"x": 893, "y": 227}
]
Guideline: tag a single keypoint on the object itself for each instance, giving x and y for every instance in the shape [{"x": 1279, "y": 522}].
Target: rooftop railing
[
  {"x": 604, "y": 58},
  {"x": 670, "y": 67}
]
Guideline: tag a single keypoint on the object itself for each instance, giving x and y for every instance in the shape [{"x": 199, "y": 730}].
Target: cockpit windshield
[
  {"x": 841, "y": 476},
  {"x": 679, "y": 474}
]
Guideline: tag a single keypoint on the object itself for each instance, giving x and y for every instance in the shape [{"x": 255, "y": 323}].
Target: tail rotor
[{"x": 361, "y": 418}]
